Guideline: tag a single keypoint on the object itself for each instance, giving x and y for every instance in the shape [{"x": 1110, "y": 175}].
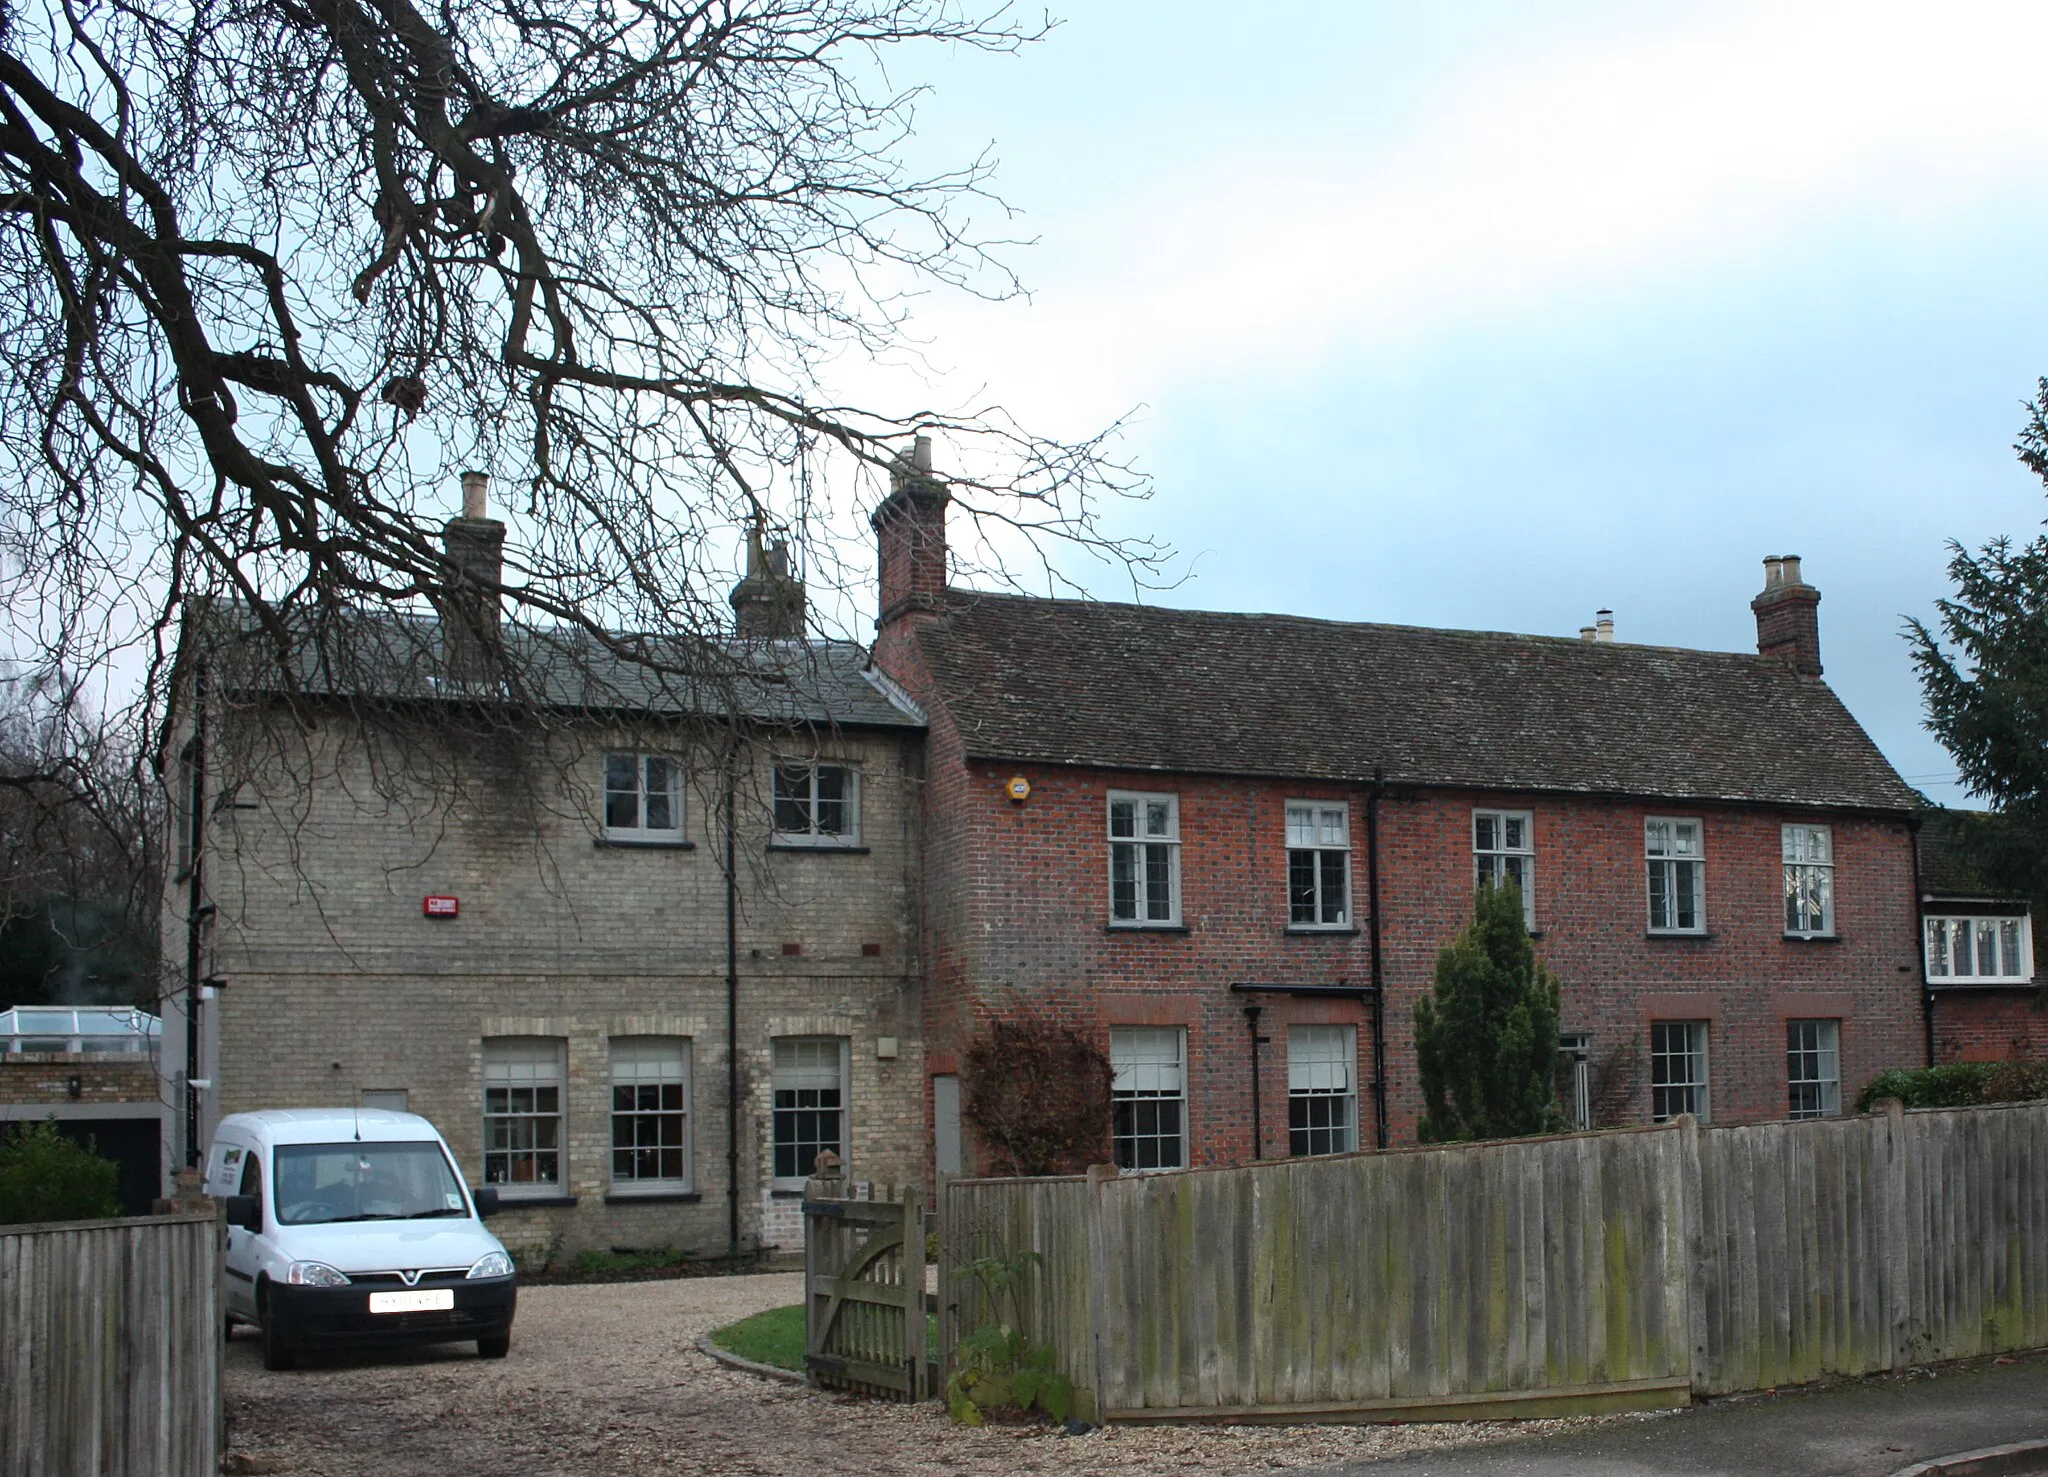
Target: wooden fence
[
  {"x": 864, "y": 1299},
  {"x": 110, "y": 1347},
  {"x": 1591, "y": 1272}
]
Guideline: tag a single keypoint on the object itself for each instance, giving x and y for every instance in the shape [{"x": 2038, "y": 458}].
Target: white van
[{"x": 355, "y": 1228}]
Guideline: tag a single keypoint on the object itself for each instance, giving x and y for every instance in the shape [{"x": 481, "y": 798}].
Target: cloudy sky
[{"x": 1489, "y": 314}]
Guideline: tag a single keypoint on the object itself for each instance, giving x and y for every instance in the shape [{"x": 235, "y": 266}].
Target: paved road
[{"x": 1864, "y": 1429}]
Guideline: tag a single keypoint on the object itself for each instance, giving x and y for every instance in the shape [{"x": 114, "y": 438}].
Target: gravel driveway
[{"x": 607, "y": 1380}]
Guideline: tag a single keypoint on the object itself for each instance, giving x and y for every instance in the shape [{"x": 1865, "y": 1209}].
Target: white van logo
[{"x": 410, "y": 1279}]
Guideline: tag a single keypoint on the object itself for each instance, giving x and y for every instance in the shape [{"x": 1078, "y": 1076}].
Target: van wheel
[
  {"x": 497, "y": 1346},
  {"x": 277, "y": 1354}
]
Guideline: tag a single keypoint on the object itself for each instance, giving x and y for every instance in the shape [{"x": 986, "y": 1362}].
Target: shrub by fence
[
  {"x": 1596, "y": 1271},
  {"x": 110, "y": 1337}
]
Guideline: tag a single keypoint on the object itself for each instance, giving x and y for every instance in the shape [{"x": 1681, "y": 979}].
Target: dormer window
[{"x": 1979, "y": 950}]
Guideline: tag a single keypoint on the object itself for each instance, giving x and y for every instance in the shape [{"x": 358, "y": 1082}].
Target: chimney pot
[
  {"x": 910, "y": 525},
  {"x": 1788, "y": 616},
  {"x": 475, "y": 487},
  {"x": 474, "y": 547},
  {"x": 1587, "y": 633},
  {"x": 768, "y": 603},
  {"x": 1603, "y": 625},
  {"x": 921, "y": 453}
]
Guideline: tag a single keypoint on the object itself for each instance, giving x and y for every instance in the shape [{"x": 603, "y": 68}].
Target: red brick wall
[{"x": 1988, "y": 1025}]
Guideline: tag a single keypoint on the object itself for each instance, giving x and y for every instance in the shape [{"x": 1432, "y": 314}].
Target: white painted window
[
  {"x": 643, "y": 797},
  {"x": 1318, "y": 864},
  {"x": 816, "y": 804},
  {"x": 1575, "y": 1078},
  {"x": 1678, "y": 1069},
  {"x": 1504, "y": 851},
  {"x": 650, "y": 1114},
  {"x": 1322, "y": 1089},
  {"x": 1813, "y": 1067},
  {"x": 1809, "y": 880},
  {"x": 1980, "y": 951},
  {"x": 1144, "y": 858},
  {"x": 810, "y": 1093},
  {"x": 1148, "y": 1097},
  {"x": 1675, "y": 857},
  {"x": 523, "y": 1137}
]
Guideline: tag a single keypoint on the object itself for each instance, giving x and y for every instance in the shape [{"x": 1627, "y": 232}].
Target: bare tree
[{"x": 271, "y": 273}]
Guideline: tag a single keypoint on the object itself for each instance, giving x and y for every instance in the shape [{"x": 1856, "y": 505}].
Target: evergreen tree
[
  {"x": 1985, "y": 684},
  {"x": 1486, "y": 1034}
]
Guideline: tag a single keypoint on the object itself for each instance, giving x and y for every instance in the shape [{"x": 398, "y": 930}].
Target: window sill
[
  {"x": 1311, "y": 930},
  {"x": 1813, "y": 938},
  {"x": 622, "y": 843},
  {"x": 844, "y": 848},
  {"x": 1679, "y": 935},
  {"x": 652, "y": 1197},
  {"x": 531, "y": 1202},
  {"x": 1145, "y": 928},
  {"x": 1950, "y": 982},
  {"x": 779, "y": 1194}
]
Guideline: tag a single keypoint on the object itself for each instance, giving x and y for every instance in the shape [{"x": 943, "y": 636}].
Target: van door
[{"x": 244, "y": 1256}]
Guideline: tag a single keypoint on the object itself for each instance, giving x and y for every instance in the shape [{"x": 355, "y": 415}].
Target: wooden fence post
[
  {"x": 1100, "y": 1246},
  {"x": 1692, "y": 1252},
  {"x": 915, "y": 1329},
  {"x": 1896, "y": 1224}
]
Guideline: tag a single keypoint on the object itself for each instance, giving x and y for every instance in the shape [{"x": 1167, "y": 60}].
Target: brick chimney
[
  {"x": 769, "y": 603},
  {"x": 1788, "y": 616},
  {"x": 911, "y": 527},
  {"x": 474, "y": 549}
]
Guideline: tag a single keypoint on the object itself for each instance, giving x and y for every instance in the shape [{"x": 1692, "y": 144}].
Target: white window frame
[
  {"x": 640, "y": 1065},
  {"x": 535, "y": 1064},
  {"x": 790, "y": 1076},
  {"x": 643, "y": 791},
  {"x": 1322, "y": 1089},
  {"x": 1320, "y": 831},
  {"x": 811, "y": 835},
  {"x": 2011, "y": 937},
  {"x": 1575, "y": 1050},
  {"x": 1149, "y": 1070},
  {"x": 1497, "y": 863},
  {"x": 1813, "y": 1060},
  {"x": 1671, "y": 1095},
  {"x": 1144, "y": 846},
  {"x": 1675, "y": 867},
  {"x": 1809, "y": 858}
]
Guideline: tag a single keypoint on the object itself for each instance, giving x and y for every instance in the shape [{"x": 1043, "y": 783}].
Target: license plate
[{"x": 433, "y": 1300}]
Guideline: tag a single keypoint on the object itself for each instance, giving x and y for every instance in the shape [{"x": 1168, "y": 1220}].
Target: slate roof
[
  {"x": 402, "y": 658},
  {"x": 1138, "y": 687}
]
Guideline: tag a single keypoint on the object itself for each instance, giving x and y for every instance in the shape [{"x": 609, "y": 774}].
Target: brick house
[
  {"x": 1230, "y": 846},
  {"x": 1977, "y": 962},
  {"x": 526, "y": 928}
]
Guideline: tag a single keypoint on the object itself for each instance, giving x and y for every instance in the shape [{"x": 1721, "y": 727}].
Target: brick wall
[
  {"x": 45, "y": 1077},
  {"x": 338, "y": 984},
  {"x": 1989, "y": 1025}
]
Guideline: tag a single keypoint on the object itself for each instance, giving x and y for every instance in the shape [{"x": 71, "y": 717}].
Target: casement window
[
  {"x": 1575, "y": 1078},
  {"x": 1322, "y": 1089},
  {"x": 1144, "y": 858},
  {"x": 643, "y": 797},
  {"x": 1809, "y": 881},
  {"x": 1677, "y": 875},
  {"x": 1148, "y": 1097},
  {"x": 650, "y": 1114},
  {"x": 816, "y": 804},
  {"x": 523, "y": 1078},
  {"x": 1504, "y": 851},
  {"x": 808, "y": 1082},
  {"x": 1813, "y": 1067},
  {"x": 1678, "y": 1069},
  {"x": 1979, "y": 951},
  {"x": 1318, "y": 864}
]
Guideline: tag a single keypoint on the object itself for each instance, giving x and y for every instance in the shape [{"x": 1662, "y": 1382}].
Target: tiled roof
[
  {"x": 1945, "y": 870},
  {"x": 1137, "y": 687},
  {"x": 389, "y": 657}
]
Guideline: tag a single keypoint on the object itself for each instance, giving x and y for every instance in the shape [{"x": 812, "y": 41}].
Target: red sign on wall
[{"x": 441, "y": 907}]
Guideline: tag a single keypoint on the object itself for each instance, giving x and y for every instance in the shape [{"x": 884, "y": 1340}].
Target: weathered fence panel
[
  {"x": 110, "y": 1345},
  {"x": 1596, "y": 1271},
  {"x": 864, "y": 1321}
]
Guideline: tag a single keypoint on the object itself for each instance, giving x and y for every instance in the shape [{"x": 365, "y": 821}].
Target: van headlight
[
  {"x": 314, "y": 1274},
  {"x": 492, "y": 1264}
]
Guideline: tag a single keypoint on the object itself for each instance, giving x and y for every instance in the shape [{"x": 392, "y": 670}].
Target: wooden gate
[{"x": 864, "y": 1298}]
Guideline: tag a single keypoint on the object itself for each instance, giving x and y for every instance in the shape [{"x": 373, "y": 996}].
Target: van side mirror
[
  {"x": 244, "y": 1212},
  {"x": 486, "y": 1202}
]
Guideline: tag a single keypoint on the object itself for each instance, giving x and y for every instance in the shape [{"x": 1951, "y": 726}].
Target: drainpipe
[
  {"x": 1920, "y": 948},
  {"x": 1379, "y": 993},
  {"x": 732, "y": 1011},
  {"x": 1251, "y": 1026},
  {"x": 195, "y": 913}
]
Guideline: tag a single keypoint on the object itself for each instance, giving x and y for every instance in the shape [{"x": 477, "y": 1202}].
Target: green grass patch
[{"x": 775, "y": 1337}]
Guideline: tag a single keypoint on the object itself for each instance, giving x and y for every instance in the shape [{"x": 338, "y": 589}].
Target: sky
[{"x": 1486, "y": 315}]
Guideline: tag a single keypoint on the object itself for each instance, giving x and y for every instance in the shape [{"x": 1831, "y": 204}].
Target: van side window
[{"x": 252, "y": 1179}]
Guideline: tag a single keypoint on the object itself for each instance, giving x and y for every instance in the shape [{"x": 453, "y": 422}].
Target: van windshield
[{"x": 318, "y": 1183}]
